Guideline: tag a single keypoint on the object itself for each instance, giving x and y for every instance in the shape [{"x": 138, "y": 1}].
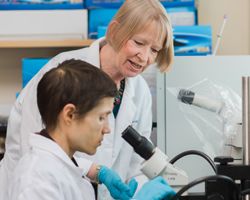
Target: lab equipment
[
  {"x": 219, "y": 36},
  {"x": 175, "y": 133},
  {"x": 215, "y": 115},
  {"x": 155, "y": 163},
  {"x": 189, "y": 97},
  {"x": 218, "y": 187},
  {"x": 232, "y": 126}
]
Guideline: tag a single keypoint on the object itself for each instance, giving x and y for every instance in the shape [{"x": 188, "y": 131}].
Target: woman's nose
[
  {"x": 106, "y": 128},
  {"x": 144, "y": 54}
]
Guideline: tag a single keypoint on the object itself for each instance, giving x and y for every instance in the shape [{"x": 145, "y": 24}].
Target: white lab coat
[
  {"x": 115, "y": 153},
  {"x": 46, "y": 172}
]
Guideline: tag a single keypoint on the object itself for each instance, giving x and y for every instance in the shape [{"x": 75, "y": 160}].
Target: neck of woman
[
  {"x": 60, "y": 137},
  {"x": 107, "y": 64}
]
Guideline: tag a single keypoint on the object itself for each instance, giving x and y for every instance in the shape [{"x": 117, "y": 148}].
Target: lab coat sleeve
[
  {"x": 37, "y": 192},
  {"x": 144, "y": 127},
  {"x": 84, "y": 164}
]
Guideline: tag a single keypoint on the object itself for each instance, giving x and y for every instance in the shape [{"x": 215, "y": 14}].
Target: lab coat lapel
[{"x": 125, "y": 116}]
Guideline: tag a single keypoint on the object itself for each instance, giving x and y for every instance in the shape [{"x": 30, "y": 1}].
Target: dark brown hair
[{"x": 76, "y": 82}]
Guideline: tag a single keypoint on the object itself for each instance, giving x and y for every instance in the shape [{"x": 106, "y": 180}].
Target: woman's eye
[
  {"x": 102, "y": 118},
  {"x": 155, "y": 51},
  {"x": 138, "y": 43}
]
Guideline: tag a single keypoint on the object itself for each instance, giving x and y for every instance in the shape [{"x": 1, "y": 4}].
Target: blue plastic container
[
  {"x": 30, "y": 67},
  {"x": 40, "y": 4},
  {"x": 192, "y": 40},
  {"x": 177, "y": 3},
  {"x": 99, "y": 17},
  {"x": 103, "y": 3}
]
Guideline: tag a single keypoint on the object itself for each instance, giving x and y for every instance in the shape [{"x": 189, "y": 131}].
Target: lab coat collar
[
  {"x": 125, "y": 116},
  {"x": 94, "y": 52},
  {"x": 45, "y": 144}
]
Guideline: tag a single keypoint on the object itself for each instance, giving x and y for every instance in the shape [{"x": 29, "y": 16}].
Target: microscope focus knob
[{"x": 223, "y": 160}]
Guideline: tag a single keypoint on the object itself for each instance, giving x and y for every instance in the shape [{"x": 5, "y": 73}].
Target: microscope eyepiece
[
  {"x": 140, "y": 144},
  {"x": 186, "y": 96}
]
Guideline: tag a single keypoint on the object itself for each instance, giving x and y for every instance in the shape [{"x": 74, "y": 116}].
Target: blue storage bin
[
  {"x": 99, "y": 17},
  {"x": 192, "y": 40},
  {"x": 103, "y": 3},
  {"x": 40, "y": 4},
  {"x": 30, "y": 67},
  {"x": 118, "y": 3},
  {"x": 101, "y": 31},
  {"x": 182, "y": 16},
  {"x": 177, "y": 3}
]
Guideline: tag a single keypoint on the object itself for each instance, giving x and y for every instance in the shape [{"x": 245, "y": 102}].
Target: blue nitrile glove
[
  {"x": 155, "y": 189},
  {"x": 117, "y": 189}
]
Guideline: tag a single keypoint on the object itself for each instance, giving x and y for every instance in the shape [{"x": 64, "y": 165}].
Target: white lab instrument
[
  {"x": 219, "y": 36},
  {"x": 155, "y": 163},
  {"x": 220, "y": 108},
  {"x": 174, "y": 132},
  {"x": 220, "y": 186}
]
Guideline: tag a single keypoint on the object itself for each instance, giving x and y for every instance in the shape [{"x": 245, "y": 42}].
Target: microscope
[
  {"x": 194, "y": 99},
  {"x": 230, "y": 182},
  {"x": 155, "y": 164}
]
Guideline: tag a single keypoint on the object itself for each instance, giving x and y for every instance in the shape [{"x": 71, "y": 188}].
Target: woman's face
[
  {"x": 139, "y": 52},
  {"x": 87, "y": 133}
]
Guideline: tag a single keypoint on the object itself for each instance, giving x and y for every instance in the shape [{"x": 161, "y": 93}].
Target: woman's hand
[
  {"x": 117, "y": 189},
  {"x": 155, "y": 189}
]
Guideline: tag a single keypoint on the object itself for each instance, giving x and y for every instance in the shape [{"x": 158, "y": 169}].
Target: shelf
[{"x": 45, "y": 43}]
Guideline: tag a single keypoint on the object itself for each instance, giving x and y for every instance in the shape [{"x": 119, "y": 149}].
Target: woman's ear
[
  {"x": 68, "y": 112},
  {"x": 112, "y": 28}
]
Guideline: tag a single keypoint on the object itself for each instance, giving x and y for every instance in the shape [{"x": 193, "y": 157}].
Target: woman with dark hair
[
  {"x": 75, "y": 119},
  {"x": 139, "y": 35}
]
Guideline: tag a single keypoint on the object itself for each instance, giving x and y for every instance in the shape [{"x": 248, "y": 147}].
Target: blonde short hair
[{"x": 135, "y": 16}]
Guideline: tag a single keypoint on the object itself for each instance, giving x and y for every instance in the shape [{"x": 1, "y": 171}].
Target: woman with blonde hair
[{"x": 139, "y": 35}]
